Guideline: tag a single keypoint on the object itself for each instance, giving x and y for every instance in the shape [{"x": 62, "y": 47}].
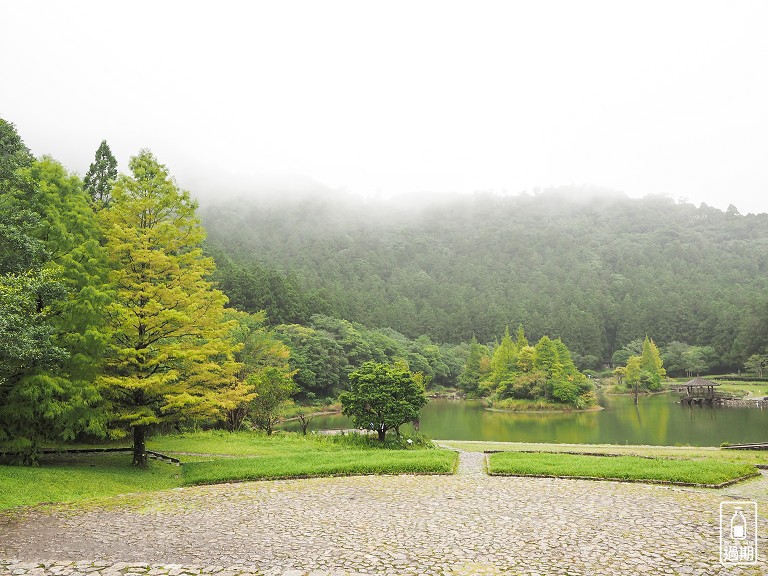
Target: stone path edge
[
  {"x": 103, "y": 568},
  {"x": 632, "y": 481},
  {"x": 313, "y": 476}
]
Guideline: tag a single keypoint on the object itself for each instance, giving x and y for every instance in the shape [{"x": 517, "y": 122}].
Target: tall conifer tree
[
  {"x": 51, "y": 295},
  {"x": 651, "y": 359},
  {"x": 171, "y": 358},
  {"x": 522, "y": 341},
  {"x": 101, "y": 176},
  {"x": 472, "y": 374},
  {"x": 652, "y": 365},
  {"x": 504, "y": 359}
]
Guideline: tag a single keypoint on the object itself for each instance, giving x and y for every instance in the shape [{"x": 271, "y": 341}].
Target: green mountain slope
[{"x": 598, "y": 272}]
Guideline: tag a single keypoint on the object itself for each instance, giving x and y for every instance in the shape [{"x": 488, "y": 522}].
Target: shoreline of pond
[
  {"x": 564, "y": 410},
  {"x": 596, "y": 408},
  {"x": 312, "y": 415},
  {"x": 657, "y": 420}
]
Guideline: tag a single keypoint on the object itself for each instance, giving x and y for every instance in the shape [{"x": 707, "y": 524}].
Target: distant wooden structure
[{"x": 699, "y": 391}]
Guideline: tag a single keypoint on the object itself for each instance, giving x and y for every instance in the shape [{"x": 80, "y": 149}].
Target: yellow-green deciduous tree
[
  {"x": 645, "y": 371},
  {"x": 171, "y": 358},
  {"x": 504, "y": 360},
  {"x": 651, "y": 362}
]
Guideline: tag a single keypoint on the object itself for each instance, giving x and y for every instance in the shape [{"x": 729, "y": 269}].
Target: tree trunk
[
  {"x": 382, "y": 434},
  {"x": 636, "y": 385},
  {"x": 29, "y": 457},
  {"x": 139, "y": 447},
  {"x": 304, "y": 421}
]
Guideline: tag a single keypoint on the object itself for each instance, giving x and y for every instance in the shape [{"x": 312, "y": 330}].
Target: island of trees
[{"x": 516, "y": 374}]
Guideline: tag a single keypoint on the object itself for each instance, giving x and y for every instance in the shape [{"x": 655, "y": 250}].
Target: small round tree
[{"x": 382, "y": 397}]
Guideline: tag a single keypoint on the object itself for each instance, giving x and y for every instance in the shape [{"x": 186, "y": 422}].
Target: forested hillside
[{"x": 597, "y": 272}]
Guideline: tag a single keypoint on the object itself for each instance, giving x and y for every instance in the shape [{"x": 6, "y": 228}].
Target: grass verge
[
  {"x": 343, "y": 463},
  {"x": 754, "y": 457},
  {"x": 625, "y": 468}
]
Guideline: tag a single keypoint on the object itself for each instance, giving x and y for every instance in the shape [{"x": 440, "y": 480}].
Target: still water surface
[{"x": 657, "y": 420}]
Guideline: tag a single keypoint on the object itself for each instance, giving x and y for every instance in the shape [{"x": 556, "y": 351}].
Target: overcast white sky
[{"x": 645, "y": 97}]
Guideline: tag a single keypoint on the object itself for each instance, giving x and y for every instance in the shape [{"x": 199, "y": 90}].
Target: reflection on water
[{"x": 657, "y": 420}]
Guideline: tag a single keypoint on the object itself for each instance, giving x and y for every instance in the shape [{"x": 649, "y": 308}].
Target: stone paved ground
[{"x": 463, "y": 524}]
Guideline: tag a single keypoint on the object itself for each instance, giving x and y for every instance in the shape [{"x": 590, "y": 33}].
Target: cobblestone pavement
[
  {"x": 471, "y": 464},
  {"x": 463, "y": 524}
]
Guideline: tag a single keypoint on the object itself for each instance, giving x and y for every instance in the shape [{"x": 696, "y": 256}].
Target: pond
[{"x": 657, "y": 420}]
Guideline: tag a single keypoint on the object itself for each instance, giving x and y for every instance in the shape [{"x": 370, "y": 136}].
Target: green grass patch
[
  {"x": 743, "y": 389},
  {"x": 70, "y": 478},
  {"x": 626, "y": 468},
  {"x": 234, "y": 444},
  {"x": 279, "y": 444},
  {"x": 736, "y": 387},
  {"x": 753, "y": 457},
  {"x": 210, "y": 457},
  {"x": 310, "y": 464}
]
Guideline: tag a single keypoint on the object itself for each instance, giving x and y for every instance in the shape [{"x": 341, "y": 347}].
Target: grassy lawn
[
  {"x": 632, "y": 468},
  {"x": 247, "y": 443},
  {"x": 735, "y": 387},
  {"x": 744, "y": 389},
  {"x": 310, "y": 464},
  {"x": 753, "y": 457},
  {"x": 213, "y": 457},
  {"x": 292, "y": 455},
  {"x": 70, "y": 478}
]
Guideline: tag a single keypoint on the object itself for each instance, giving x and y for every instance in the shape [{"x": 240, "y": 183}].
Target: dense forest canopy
[{"x": 594, "y": 268}]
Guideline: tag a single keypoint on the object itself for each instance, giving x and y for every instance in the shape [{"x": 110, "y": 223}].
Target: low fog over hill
[{"x": 594, "y": 267}]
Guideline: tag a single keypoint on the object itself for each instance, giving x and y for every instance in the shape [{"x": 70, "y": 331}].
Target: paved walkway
[
  {"x": 463, "y": 524},
  {"x": 470, "y": 463}
]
